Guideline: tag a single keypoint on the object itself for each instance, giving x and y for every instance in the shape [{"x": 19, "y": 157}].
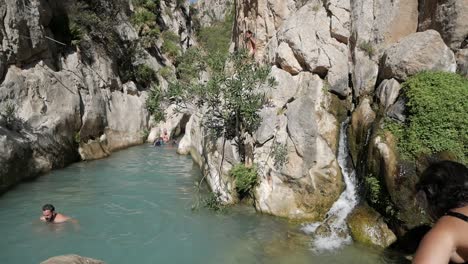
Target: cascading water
[{"x": 333, "y": 233}]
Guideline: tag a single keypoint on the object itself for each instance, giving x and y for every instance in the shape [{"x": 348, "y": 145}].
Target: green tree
[{"x": 231, "y": 96}]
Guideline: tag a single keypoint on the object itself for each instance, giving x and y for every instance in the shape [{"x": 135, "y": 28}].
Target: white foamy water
[{"x": 336, "y": 232}]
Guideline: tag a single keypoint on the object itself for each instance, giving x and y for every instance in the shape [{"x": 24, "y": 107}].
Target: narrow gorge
[{"x": 337, "y": 98}]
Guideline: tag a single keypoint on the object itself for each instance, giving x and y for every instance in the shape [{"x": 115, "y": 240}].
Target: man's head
[
  {"x": 48, "y": 212},
  {"x": 248, "y": 34}
]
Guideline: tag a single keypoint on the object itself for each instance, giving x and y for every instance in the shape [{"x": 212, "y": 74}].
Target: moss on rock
[{"x": 367, "y": 227}]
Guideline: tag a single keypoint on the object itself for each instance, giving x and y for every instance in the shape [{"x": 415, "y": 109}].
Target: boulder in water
[
  {"x": 368, "y": 227},
  {"x": 71, "y": 259}
]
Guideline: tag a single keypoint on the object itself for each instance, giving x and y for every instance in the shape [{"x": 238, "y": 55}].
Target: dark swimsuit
[{"x": 457, "y": 215}]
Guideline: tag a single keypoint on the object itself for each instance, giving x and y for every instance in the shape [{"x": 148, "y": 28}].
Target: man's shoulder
[{"x": 60, "y": 218}]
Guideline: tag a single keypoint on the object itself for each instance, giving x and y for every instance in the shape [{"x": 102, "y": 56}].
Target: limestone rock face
[
  {"x": 361, "y": 121},
  {"x": 215, "y": 157},
  {"x": 462, "y": 62},
  {"x": 417, "y": 52},
  {"x": 15, "y": 157},
  {"x": 449, "y": 18},
  {"x": 67, "y": 105},
  {"x": 72, "y": 259},
  {"x": 367, "y": 227},
  {"x": 299, "y": 174},
  {"x": 263, "y": 18},
  {"x": 212, "y": 11},
  {"x": 376, "y": 25},
  {"x": 24, "y": 31},
  {"x": 304, "y": 39}
]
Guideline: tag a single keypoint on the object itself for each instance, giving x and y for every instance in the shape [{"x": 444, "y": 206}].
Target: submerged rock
[
  {"x": 368, "y": 227},
  {"x": 72, "y": 259}
]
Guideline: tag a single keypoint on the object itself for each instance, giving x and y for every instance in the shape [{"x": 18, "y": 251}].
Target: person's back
[{"x": 444, "y": 188}]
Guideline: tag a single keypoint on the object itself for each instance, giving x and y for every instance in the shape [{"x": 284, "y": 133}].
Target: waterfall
[{"x": 333, "y": 233}]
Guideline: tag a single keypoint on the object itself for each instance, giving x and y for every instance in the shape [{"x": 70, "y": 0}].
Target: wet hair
[
  {"x": 443, "y": 186},
  {"x": 250, "y": 32},
  {"x": 48, "y": 207}
]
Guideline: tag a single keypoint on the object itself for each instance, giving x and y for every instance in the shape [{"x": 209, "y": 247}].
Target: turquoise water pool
[{"x": 136, "y": 207}]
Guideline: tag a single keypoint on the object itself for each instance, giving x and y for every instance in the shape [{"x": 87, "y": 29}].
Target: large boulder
[
  {"x": 368, "y": 227},
  {"x": 15, "y": 158},
  {"x": 415, "y": 53},
  {"x": 449, "y": 18},
  {"x": 388, "y": 92}
]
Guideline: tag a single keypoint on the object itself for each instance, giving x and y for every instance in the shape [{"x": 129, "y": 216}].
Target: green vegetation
[
  {"x": 8, "y": 113},
  {"x": 378, "y": 197},
  {"x": 368, "y": 48},
  {"x": 246, "y": 179},
  {"x": 213, "y": 202},
  {"x": 144, "y": 134},
  {"x": 143, "y": 17},
  {"x": 280, "y": 155},
  {"x": 166, "y": 73},
  {"x": 154, "y": 104},
  {"x": 145, "y": 75},
  {"x": 217, "y": 37},
  {"x": 230, "y": 96},
  {"x": 437, "y": 119},
  {"x": 171, "y": 44},
  {"x": 77, "y": 137},
  {"x": 189, "y": 65},
  {"x": 96, "y": 19}
]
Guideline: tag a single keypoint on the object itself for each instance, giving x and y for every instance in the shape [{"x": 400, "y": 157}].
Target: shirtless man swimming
[{"x": 49, "y": 215}]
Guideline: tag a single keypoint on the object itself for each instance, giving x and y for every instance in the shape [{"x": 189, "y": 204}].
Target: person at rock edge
[{"x": 443, "y": 192}]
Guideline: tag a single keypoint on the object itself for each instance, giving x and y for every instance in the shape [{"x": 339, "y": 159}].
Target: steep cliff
[
  {"x": 330, "y": 57},
  {"x": 74, "y": 78}
]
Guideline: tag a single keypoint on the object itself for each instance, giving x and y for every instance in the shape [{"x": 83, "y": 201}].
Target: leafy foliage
[
  {"x": 171, "y": 44},
  {"x": 154, "y": 104},
  {"x": 9, "y": 113},
  {"x": 246, "y": 179},
  {"x": 437, "y": 116},
  {"x": 166, "y": 72},
  {"x": 230, "y": 96},
  {"x": 216, "y": 38},
  {"x": 368, "y": 48},
  {"x": 189, "y": 65},
  {"x": 213, "y": 202},
  {"x": 280, "y": 155},
  {"x": 145, "y": 75},
  {"x": 378, "y": 197}
]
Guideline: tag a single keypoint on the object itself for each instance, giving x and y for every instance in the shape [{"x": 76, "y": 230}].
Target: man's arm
[{"x": 436, "y": 247}]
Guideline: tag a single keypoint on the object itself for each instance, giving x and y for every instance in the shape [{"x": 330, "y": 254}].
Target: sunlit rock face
[
  {"x": 70, "y": 103},
  {"x": 422, "y": 51},
  {"x": 295, "y": 149},
  {"x": 212, "y": 11},
  {"x": 449, "y": 18}
]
